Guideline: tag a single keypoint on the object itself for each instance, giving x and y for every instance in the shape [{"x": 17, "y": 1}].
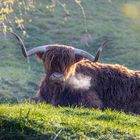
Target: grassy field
[
  {"x": 44, "y": 122},
  {"x": 54, "y": 23}
]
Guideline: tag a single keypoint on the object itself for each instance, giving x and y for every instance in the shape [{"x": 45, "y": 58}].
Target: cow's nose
[{"x": 57, "y": 77}]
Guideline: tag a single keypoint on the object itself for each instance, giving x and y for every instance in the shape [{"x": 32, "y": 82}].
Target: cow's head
[{"x": 59, "y": 60}]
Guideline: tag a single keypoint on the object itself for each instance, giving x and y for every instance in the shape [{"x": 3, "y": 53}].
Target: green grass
[
  {"x": 19, "y": 79},
  {"x": 67, "y": 26},
  {"x": 41, "y": 121}
]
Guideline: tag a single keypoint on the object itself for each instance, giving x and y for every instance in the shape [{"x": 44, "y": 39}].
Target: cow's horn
[
  {"x": 45, "y": 47},
  {"x": 89, "y": 56},
  {"x": 31, "y": 51},
  {"x": 23, "y": 48},
  {"x": 84, "y": 54},
  {"x": 103, "y": 45}
]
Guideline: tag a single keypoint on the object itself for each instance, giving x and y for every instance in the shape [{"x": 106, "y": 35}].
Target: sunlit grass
[
  {"x": 50, "y": 23},
  {"x": 131, "y": 10},
  {"x": 45, "y": 121}
]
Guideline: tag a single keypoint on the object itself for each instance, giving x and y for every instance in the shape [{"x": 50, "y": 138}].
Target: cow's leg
[
  {"x": 91, "y": 99},
  {"x": 37, "y": 99}
]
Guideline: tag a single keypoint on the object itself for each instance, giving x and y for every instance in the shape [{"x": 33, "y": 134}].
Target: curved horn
[
  {"x": 89, "y": 56},
  {"x": 32, "y": 51},
  {"x": 45, "y": 48},
  {"x": 23, "y": 48},
  {"x": 103, "y": 45},
  {"x": 37, "y": 49},
  {"x": 84, "y": 54}
]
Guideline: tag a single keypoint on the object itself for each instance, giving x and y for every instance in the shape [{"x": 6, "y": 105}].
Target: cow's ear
[
  {"x": 78, "y": 58},
  {"x": 40, "y": 55}
]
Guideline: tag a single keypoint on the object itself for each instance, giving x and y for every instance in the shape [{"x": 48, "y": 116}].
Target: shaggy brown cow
[{"x": 75, "y": 78}]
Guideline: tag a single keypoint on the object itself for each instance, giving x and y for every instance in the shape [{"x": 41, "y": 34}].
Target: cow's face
[{"x": 59, "y": 63}]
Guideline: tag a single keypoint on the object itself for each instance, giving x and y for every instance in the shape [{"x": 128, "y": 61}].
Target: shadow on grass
[
  {"x": 9, "y": 100},
  {"x": 11, "y": 129}
]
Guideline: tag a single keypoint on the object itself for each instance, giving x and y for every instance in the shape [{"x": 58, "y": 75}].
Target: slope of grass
[
  {"x": 19, "y": 79},
  {"x": 41, "y": 121}
]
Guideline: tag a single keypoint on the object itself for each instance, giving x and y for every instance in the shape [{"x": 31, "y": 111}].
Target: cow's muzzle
[{"x": 57, "y": 78}]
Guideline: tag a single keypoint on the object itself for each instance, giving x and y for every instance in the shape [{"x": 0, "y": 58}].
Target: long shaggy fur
[{"x": 111, "y": 86}]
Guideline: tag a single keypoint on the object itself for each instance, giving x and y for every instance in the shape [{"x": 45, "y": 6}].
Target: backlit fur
[{"x": 111, "y": 86}]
